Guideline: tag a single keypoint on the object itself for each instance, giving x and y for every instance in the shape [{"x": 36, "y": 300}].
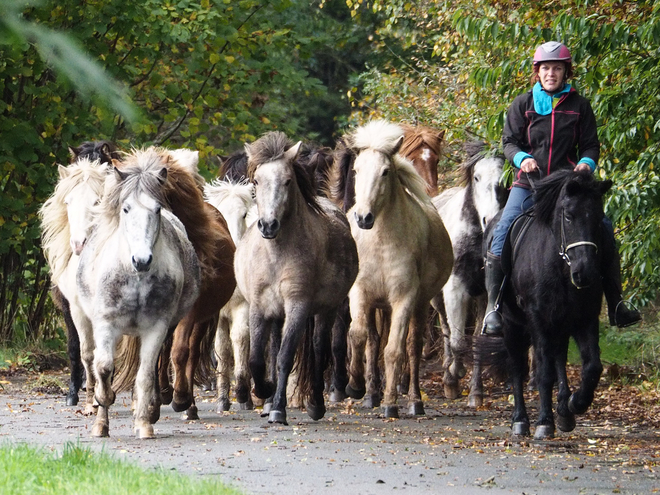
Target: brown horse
[
  {"x": 209, "y": 234},
  {"x": 422, "y": 146}
]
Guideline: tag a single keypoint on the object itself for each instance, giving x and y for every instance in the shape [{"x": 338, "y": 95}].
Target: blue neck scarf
[{"x": 543, "y": 101}]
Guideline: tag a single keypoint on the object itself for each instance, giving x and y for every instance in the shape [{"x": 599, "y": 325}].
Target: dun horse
[
  {"x": 405, "y": 259},
  {"x": 138, "y": 275},
  {"x": 307, "y": 262}
]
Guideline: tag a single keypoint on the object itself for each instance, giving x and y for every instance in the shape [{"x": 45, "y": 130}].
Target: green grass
[{"x": 28, "y": 470}]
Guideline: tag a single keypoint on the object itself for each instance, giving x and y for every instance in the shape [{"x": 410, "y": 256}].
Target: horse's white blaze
[
  {"x": 79, "y": 204},
  {"x": 426, "y": 154},
  {"x": 140, "y": 221}
]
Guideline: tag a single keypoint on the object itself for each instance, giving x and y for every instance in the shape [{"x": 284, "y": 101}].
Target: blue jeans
[{"x": 520, "y": 199}]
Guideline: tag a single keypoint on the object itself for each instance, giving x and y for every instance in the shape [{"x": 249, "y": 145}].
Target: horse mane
[
  {"x": 341, "y": 168},
  {"x": 418, "y": 136},
  {"x": 234, "y": 166},
  {"x": 220, "y": 189},
  {"x": 104, "y": 151},
  {"x": 271, "y": 147},
  {"x": 318, "y": 163},
  {"x": 476, "y": 151},
  {"x": 548, "y": 190},
  {"x": 55, "y": 233},
  {"x": 413, "y": 183}
]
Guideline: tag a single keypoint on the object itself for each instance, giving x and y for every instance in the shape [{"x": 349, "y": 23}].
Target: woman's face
[{"x": 551, "y": 75}]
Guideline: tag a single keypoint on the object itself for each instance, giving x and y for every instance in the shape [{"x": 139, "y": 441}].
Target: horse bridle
[{"x": 563, "y": 249}]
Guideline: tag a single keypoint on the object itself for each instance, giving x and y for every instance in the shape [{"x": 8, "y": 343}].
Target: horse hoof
[
  {"x": 166, "y": 396},
  {"x": 180, "y": 406},
  {"x": 90, "y": 409},
  {"x": 245, "y": 406},
  {"x": 72, "y": 399},
  {"x": 452, "y": 392},
  {"x": 475, "y": 400},
  {"x": 574, "y": 408},
  {"x": 520, "y": 428},
  {"x": 355, "y": 393},
  {"x": 566, "y": 423},
  {"x": 242, "y": 394},
  {"x": 191, "y": 414},
  {"x": 544, "y": 431},
  {"x": 145, "y": 432},
  {"x": 391, "y": 411},
  {"x": 371, "y": 401},
  {"x": 100, "y": 430},
  {"x": 315, "y": 412},
  {"x": 416, "y": 408},
  {"x": 277, "y": 417},
  {"x": 336, "y": 396},
  {"x": 266, "y": 390},
  {"x": 223, "y": 405},
  {"x": 266, "y": 410}
]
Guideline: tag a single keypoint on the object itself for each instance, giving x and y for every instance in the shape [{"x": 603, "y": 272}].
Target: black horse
[
  {"x": 555, "y": 292},
  {"x": 105, "y": 152}
]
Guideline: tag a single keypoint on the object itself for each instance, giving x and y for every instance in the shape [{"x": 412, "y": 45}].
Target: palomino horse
[
  {"x": 138, "y": 275},
  {"x": 405, "y": 259},
  {"x": 104, "y": 152},
  {"x": 554, "y": 293},
  {"x": 66, "y": 221},
  {"x": 232, "y": 338},
  {"x": 466, "y": 211},
  {"x": 307, "y": 262},
  {"x": 207, "y": 230}
]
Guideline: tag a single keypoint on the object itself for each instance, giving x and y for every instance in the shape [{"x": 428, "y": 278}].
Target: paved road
[{"x": 354, "y": 450}]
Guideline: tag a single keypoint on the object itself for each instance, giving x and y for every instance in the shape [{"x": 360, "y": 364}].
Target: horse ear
[
  {"x": 604, "y": 186},
  {"x": 63, "y": 171},
  {"x": 573, "y": 187},
  {"x": 73, "y": 152},
  {"x": 291, "y": 154},
  {"x": 120, "y": 175},
  {"x": 247, "y": 150},
  {"x": 397, "y": 145},
  {"x": 441, "y": 135},
  {"x": 162, "y": 175}
]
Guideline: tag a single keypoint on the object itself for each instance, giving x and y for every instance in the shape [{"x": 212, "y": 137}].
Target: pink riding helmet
[{"x": 552, "y": 51}]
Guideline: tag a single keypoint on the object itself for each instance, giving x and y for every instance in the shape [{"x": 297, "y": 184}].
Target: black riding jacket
[{"x": 557, "y": 140}]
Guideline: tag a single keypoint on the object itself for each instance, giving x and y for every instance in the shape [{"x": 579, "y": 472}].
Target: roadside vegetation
[{"x": 28, "y": 470}]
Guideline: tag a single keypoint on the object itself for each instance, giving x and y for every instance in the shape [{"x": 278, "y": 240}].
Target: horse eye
[
  {"x": 126, "y": 209},
  {"x": 288, "y": 181},
  {"x": 385, "y": 172},
  {"x": 158, "y": 208},
  {"x": 255, "y": 182},
  {"x": 245, "y": 215},
  {"x": 476, "y": 178},
  {"x": 568, "y": 218}
]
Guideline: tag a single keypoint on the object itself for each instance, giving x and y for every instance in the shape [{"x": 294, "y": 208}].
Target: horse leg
[
  {"x": 259, "y": 334},
  {"x": 182, "y": 397},
  {"x": 240, "y": 339},
  {"x": 415, "y": 343},
  {"x": 340, "y": 352},
  {"x": 394, "y": 355},
  {"x": 592, "y": 368},
  {"x": 147, "y": 410},
  {"x": 518, "y": 364},
  {"x": 565, "y": 418},
  {"x": 323, "y": 324},
  {"x": 73, "y": 347},
  {"x": 358, "y": 334},
  {"x": 86, "y": 338},
  {"x": 295, "y": 324},
  {"x": 476, "y": 395},
  {"x": 456, "y": 300},
  {"x": 194, "y": 354},
  {"x": 164, "y": 379},
  {"x": 106, "y": 341},
  {"x": 378, "y": 329},
  {"x": 222, "y": 349},
  {"x": 546, "y": 377}
]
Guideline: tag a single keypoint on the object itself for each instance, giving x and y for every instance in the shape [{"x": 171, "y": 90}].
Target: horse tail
[
  {"x": 491, "y": 352},
  {"x": 206, "y": 372},
  {"x": 127, "y": 362}
]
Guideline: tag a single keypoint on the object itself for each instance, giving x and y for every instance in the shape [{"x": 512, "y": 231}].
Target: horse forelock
[
  {"x": 221, "y": 189},
  {"x": 415, "y": 137},
  {"x": 378, "y": 135},
  {"x": 549, "y": 189},
  {"x": 268, "y": 148}
]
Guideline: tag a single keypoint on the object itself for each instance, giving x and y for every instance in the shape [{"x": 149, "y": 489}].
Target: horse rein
[{"x": 563, "y": 250}]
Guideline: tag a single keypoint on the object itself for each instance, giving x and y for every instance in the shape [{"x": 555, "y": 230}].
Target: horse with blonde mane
[
  {"x": 307, "y": 263},
  {"x": 405, "y": 258},
  {"x": 139, "y": 276},
  {"x": 66, "y": 222},
  {"x": 232, "y": 339}
]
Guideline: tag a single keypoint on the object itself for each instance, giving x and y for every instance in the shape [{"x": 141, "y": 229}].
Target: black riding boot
[
  {"x": 619, "y": 313},
  {"x": 494, "y": 277}
]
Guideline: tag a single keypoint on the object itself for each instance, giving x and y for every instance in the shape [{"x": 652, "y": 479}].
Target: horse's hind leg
[
  {"x": 340, "y": 352},
  {"x": 415, "y": 343},
  {"x": 378, "y": 331},
  {"x": 164, "y": 379},
  {"x": 322, "y": 342},
  {"x": 182, "y": 398},
  {"x": 546, "y": 353},
  {"x": 518, "y": 364},
  {"x": 456, "y": 300},
  {"x": 476, "y": 395},
  {"x": 222, "y": 349},
  {"x": 194, "y": 355},
  {"x": 592, "y": 368},
  {"x": 73, "y": 347},
  {"x": 240, "y": 339},
  {"x": 147, "y": 411}
]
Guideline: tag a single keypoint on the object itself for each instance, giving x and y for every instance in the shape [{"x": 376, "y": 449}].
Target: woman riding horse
[{"x": 550, "y": 128}]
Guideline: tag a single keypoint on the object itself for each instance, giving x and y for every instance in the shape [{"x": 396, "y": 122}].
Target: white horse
[
  {"x": 466, "y": 211},
  {"x": 405, "y": 258},
  {"x": 138, "y": 275},
  {"x": 232, "y": 339},
  {"x": 66, "y": 221}
]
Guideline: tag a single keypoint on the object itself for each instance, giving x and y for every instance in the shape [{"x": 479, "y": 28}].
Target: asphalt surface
[{"x": 452, "y": 449}]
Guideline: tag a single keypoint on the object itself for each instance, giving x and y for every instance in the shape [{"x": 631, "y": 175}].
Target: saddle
[{"x": 516, "y": 233}]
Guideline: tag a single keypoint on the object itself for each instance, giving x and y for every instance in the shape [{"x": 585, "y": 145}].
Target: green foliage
[
  {"x": 461, "y": 63},
  {"x": 25, "y": 469}
]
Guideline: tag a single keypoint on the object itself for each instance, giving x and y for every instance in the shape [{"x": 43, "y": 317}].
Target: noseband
[{"x": 563, "y": 251}]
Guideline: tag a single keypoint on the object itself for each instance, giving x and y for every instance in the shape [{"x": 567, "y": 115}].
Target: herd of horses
[{"x": 304, "y": 270}]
